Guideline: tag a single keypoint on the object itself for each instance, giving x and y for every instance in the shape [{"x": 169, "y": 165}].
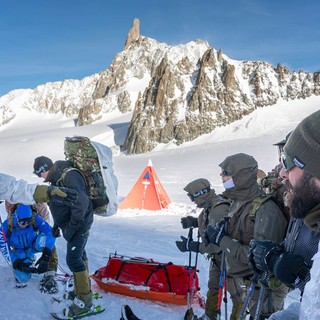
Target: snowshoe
[
  {"x": 71, "y": 295},
  {"x": 127, "y": 313},
  {"x": 91, "y": 312},
  {"x": 48, "y": 285},
  {"x": 20, "y": 284}
]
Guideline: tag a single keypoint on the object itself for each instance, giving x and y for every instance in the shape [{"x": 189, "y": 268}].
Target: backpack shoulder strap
[
  {"x": 220, "y": 199},
  {"x": 60, "y": 181},
  {"x": 257, "y": 202},
  {"x": 10, "y": 223}
]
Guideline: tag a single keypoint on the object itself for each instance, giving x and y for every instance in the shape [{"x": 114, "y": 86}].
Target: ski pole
[
  {"x": 225, "y": 298},
  {"x": 189, "y": 312},
  {"x": 195, "y": 269},
  {"x": 260, "y": 302},
  {"x": 253, "y": 283},
  {"x": 221, "y": 278}
]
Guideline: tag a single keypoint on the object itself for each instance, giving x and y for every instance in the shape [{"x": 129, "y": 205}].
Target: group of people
[
  {"x": 267, "y": 252},
  {"x": 27, "y": 233},
  {"x": 244, "y": 229}
]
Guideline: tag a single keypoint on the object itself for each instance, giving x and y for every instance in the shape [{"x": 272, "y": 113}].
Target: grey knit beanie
[{"x": 303, "y": 145}]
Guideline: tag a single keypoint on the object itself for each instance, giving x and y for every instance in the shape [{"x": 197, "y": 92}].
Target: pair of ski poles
[
  {"x": 253, "y": 284},
  {"x": 189, "y": 315}
]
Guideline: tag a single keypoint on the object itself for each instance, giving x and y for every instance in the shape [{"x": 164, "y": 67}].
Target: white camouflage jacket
[{"x": 16, "y": 191}]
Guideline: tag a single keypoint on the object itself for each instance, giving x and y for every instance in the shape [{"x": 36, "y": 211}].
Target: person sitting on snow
[{"x": 28, "y": 234}]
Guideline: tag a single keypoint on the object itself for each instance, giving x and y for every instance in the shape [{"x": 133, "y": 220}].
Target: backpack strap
[
  {"x": 60, "y": 181},
  {"x": 220, "y": 199},
  {"x": 257, "y": 202}
]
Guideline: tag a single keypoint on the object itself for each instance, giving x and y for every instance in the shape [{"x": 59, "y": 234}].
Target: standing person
[
  {"x": 252, "y": 216},
  {"x": 215, "y": 207},
  {"x": 20, "y": 191},
  {"x": 26, "y": 235},
  {"x": 75, "y": 223},
  {"x": 300, "y": 239},
  {"x": 300, "y": 160},
  {"x": 48, "y": 283}
]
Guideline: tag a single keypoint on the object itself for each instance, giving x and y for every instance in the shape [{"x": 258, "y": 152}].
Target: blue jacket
[{"x": 23, "y": 239}]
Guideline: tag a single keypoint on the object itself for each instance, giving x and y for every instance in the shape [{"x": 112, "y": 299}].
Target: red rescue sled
[{"x": 147, "y": 279}]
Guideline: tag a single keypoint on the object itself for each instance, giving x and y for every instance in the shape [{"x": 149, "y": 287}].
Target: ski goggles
[
  {"x": 288, "y": 163},
  {"x": 225, "y": 173},
  {"x": 193, "y": 196},
  {"x": 40, "y": 170},
  {"x": 25, "y": 222}
]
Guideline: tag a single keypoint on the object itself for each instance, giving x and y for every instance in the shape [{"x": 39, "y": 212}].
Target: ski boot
[{"x": 127, "y": 313}]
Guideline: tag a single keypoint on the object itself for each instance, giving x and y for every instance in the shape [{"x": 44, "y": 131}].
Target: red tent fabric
[{"x": 148, "y": 193}]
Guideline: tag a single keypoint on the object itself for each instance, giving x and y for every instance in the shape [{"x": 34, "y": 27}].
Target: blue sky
[{"x": 53, "y": 40}]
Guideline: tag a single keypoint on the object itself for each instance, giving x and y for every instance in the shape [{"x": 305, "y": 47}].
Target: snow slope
[{"x": 133, "y": 232}]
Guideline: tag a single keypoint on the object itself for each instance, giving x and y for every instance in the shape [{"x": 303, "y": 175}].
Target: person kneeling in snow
[{"x": 28, "y": 234}]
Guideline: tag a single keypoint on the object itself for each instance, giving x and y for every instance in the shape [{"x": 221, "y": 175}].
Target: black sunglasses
[
  {"x": 40, "y": 170},
  {"x": 193, "y": 196},
  {"x": 225, "y": 173},
  {"x": 25, "y": 222},
  {"x": 288, "y": 163}
]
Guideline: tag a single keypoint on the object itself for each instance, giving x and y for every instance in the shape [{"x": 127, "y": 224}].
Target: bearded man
[{"x": 300, "y": 167}]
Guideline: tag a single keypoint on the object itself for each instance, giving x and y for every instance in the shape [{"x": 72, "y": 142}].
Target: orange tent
[{"x": 148, "y": 192}]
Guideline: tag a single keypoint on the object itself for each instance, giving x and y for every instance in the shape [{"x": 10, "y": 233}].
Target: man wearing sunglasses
[
  {"x": 300, "y": 161},
  {"x": 250, "y": 218},
  {"x": 215, "y": 207},
  {"x": 75, "y": 223}
]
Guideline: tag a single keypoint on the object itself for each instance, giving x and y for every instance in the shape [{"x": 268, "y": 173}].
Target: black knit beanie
[{"x": 303, "y": 145}]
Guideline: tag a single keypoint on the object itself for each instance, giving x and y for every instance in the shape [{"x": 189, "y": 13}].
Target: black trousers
[{"x": 76, "y": 253}]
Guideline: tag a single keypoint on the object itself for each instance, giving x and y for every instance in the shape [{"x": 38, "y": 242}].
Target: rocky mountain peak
[
  {"x": 175, "y": 93},
  {"x": 134, "y": 33}
]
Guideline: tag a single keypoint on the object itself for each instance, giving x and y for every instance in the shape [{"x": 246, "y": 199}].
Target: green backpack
[{"x": 84, "y": 158}]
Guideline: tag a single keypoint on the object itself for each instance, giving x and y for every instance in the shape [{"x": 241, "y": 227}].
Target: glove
[
  {"x": 290, "y": 268},
  {"x": 186, "y": 245},
  {"x": 216, "y": 233},
  {"x": 189, "y": 222},
  {"x": 43, "y": 261},
  {"x": 63, "y": 195},
  {"x": 19, "y": 264},
  {"x": 263, "y": 254},
  {"x": 56, "y": 231}
]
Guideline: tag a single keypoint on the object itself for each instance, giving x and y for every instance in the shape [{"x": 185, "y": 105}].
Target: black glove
[
  {"x": 290, "y": 268},
  {"x": 216, "y": 233},
  {"x": 189, "y": 222},
  {"x": 56, "y": 231},
  {"x": 62, "y": 195},
  {"x": 263, "y": 254},
  {"x": 19, "y": 264},
  {"x": 186, "y": 245},
  {"x": 43, "y": 261}
]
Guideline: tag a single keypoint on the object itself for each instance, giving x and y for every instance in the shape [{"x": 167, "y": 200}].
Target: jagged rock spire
[{"x": 134, "y": 33}]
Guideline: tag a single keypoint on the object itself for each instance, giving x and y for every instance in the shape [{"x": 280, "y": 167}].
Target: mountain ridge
[{"x": 175, "y": 93}]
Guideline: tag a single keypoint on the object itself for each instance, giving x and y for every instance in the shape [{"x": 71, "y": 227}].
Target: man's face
[
  {"x": 304, "y": 191},
  {"x": 44, "y": 174},
  {"x": 225, "y": 176}
]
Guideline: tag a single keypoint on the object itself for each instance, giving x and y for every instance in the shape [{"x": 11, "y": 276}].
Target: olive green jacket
[{"x": 214, "y": 212}]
